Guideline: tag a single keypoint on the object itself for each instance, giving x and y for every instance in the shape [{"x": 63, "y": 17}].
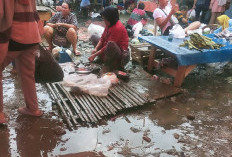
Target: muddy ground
[{"x": 197, "y": 122}]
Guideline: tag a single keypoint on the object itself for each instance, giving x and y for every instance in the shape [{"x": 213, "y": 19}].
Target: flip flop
[
  {"x": 77, "y": 53},
  {"x": 2, "y": 118},
  {"x": 26, "y": 111}
]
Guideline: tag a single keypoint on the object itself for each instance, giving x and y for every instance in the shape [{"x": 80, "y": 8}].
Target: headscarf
[{"x": 223, "y": 20}]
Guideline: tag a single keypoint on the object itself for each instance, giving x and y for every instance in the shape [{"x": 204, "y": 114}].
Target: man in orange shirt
[{"x": 20, "y": 20}]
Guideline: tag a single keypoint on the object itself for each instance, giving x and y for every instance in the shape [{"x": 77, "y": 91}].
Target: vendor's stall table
[{"x": 186, "y": 59}]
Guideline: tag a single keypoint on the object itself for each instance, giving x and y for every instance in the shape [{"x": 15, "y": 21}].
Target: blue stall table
[{"x": 186, "y": 59}]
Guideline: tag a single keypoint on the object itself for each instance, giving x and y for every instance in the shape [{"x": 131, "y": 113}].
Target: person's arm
[
  {"x": 161, "y": 22},
  {"x": 194, "y": 4},
  {"x": 113, "y": 36},
  {"x": 96, "y": 52},
  {"x": 66, "y": 25},
  {"x": 71, "y": 24},
  {"x": 184, "y": 20},
  {"x": 6, "y": 19},
  {"x": 99, "y": 46}
]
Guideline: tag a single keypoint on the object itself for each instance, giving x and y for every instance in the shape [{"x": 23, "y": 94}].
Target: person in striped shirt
[
  {"x": 138, "y": 15},
  {"x": 19, "y": 38}
]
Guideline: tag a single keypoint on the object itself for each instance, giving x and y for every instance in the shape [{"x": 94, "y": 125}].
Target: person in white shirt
[
  {"x": 163, "y": 14},
  {"x": 163, "y": 17}
]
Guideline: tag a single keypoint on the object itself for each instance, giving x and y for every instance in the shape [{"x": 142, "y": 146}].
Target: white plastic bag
[
  {"x": 95, "y": 30},
  {"x": 137, "y": 28},
  {"x": 89, "y": 84},
  {"x": 177, "y": 31},
  {"x": 191, "y": 14}
]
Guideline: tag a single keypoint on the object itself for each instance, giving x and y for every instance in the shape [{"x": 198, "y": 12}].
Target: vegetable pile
[{"x": 200, "y": 42}]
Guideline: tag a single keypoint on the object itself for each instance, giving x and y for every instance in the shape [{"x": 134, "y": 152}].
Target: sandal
[
  {"x": 26, "y": 111},
  {"x": 2, "y": 118}
]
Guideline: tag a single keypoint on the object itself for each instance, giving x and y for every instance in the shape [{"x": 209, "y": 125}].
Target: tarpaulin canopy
[{"x": 185, "y": 56}]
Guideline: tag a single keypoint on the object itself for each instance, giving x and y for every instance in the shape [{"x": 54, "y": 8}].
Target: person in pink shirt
[
  {"x": 21, "y": 40},
  {"x": 217, "y": 8}
]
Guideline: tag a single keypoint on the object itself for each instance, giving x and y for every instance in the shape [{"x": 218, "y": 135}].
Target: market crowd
[{"x": 20, "y": 34}]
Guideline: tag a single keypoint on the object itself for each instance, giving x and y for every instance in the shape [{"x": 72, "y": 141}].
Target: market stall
[{"x": 186, "y": 59}]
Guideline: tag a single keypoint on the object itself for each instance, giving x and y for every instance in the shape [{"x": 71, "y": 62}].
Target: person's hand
[
  {"x": 94, "y": 51},
  {"x": 174, "y": 9},
  {"x": 194, "y": 6},
  {"x": 91, "y": 58},
  {"x": 173, "y": 2},
  {"x": 58, "y": 24}
]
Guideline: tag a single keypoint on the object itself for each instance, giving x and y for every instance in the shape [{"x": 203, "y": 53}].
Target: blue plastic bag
[{"x": 85, "y": 3}]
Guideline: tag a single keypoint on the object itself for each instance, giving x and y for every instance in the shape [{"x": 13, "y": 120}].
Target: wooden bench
[{"x": 140, "y": 52}]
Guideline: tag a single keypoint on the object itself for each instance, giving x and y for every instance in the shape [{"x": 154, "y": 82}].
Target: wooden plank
[
  {"x": 103, "y": 105},
  {"x": 130, "y": 95},
  {"x": 44, "y": 16},
  {"x": 113, "y": 97},
  {"x": 64, "y": 102},
  {"x": 120, "y": 96},
  {"x": 98, "y": 109},
  {"x": 75, "y": 105},
  {"x": 86, "y": 108},
  {"x": 92, "y": 106},
  {"x": 66, "y": 117},
  {"x": 144, "y": 99},
  {"x": 151, "y": 59},
  {"x": 106, "y": 105}
]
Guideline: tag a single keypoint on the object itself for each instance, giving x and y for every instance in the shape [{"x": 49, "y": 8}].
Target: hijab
[{"x": 223, "y": 20}]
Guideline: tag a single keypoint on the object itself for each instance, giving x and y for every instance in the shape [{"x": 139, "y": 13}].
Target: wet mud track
[{"x": 197, "y": 122}]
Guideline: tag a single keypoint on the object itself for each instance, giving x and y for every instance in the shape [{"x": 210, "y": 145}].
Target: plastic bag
[
  {"x": 191, "y": 14},
  {"x": 89, "y": 84},
  {"x": 177, "y": 31},
  {"x": 46, "y": 67},
  {"x": 95, "y": 30},
  {"x": 85, "y": 3},
  {"x": 137, "y": 28},
  {"x": 111, "y": 76}
]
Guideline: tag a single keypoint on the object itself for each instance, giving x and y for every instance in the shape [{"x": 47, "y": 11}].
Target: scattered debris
[
  {"x": 190, "y": 117},
  {"x": 177, "y": 136},
  {"x": 147, "y": 139},
  {"x": 173, "y": 99},
  {"x": 114, "y": 118},
  {"x": 59, "y": 130},
  {"x": 105, "y": 131},
  {"x": 127, "y": 119},
  {"x": 110, "y": 148},
  {"x": 135, "y": 130}
]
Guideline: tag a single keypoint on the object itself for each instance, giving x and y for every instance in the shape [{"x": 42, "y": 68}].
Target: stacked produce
[{"x": 200, "y": 42}]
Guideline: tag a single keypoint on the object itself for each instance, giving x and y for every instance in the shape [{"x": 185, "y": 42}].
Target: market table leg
[
  {"x": 151, "y": 58},
  {"x": 182, "y": 72}
]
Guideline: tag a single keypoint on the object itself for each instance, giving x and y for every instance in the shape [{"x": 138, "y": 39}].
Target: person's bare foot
[
  {"x": 2, "y": 118},
  {"x": 76, "y": 52},
  {"x": 26, "y": 111}
]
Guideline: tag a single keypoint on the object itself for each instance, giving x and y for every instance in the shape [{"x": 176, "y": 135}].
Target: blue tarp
[{"x": 185, "y": 56}]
